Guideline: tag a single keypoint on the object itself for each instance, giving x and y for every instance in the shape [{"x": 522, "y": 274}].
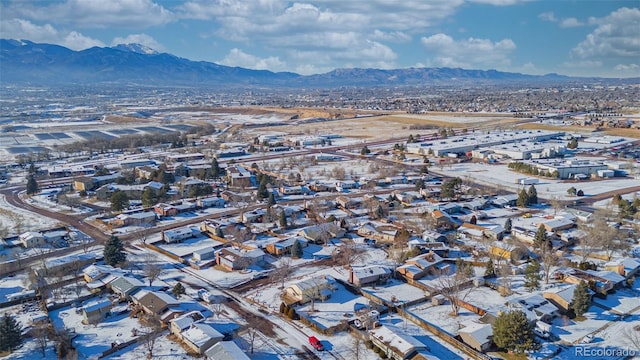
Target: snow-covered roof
[
  {"x": 479, "y": 331},
  {"x": 198, "y": 334},
  {"x": 396, "y": 339},
  {"x": 226, "y": 350}
]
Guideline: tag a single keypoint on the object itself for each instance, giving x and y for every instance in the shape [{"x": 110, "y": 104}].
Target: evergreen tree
[
  {"x": 513, "y": 332},
  {"x": 215, "y": 169},
  {"x": 149, "y": 197},
  {"x": 581, "y": 299},
  {"x": 296, "y": 250},
  {"x": 178, "y": 290},
  {"x": 114, "y": 252},
  {"x": 490, "y": 270},
  {"x": 263, "y": 193},
  {"x": 541, "y": 240},
  {"x": 33, "y": 170},
  {"x": 532, "y": 276},
  {"x": 10, "y": 333},
  {"x": 365, "y": 150},
  {"x": 523, "y": 198},
  {"x": 507, "y": 225},
  {"x": 32, "y": 185},
  {"x": 532, "y": 195},
  {"x": 271, "y": 200},
  {"x": 119, "y": 200},
  {"x": 283, "y": 220},
  {"x": 473, "y": 220},
  {"x": 571, "y": 191}
]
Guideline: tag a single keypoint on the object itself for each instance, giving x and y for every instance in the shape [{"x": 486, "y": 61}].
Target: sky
[{"x": 570, "y": 37}]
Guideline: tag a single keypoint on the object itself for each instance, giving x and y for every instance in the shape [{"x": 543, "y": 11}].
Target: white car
[{"x": 587, "y": 339}]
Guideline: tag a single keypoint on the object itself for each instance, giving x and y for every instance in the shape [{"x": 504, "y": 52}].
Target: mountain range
[{"x": 28, "y": 63}]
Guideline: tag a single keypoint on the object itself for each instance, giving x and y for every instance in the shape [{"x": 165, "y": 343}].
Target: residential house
[
  {"x": 384, "y": 234},
  {"x": 204, "y": 254},
  {"x": 627, "y": 267},
  {"x": 477, "y": 335},
  {"x": 535, "y": 307},
  {"x": 293, "y": 190},
  {"x": 212, "y": 201},
  {"x": 240, "y": 177},
  {"x": 225, "y": 350},
  {"x": 602, "y": 285},
  {"x": 316, "y": 288},
  {"x": 557, "y": 223},
  {"x": 154, "y": 302},
  {"x": 283, "y": 247},
  {"x": 95, "y": 313},
  {"x": 165, "y": 210},
  {"x": 321, "y": 232},
  {"x": 443, "y": 220},
  {"x": 31, "y": 239},
  {"x": 561, "y": 296},
  {"x": 433, "y": 236},
  {"x": 199, "y": 337},
  {"x": 179, "y": 234},
  {"x": 505, "y": 200},
  {"x": 236, "y": 259},
  {"x": 184, "y": 321},
  {"x": 509, "y": 251},
  {"x": 92, "y": 183},
  {"x": 95, "y": 272},
  {"x": 422, "y": 265},
  {"x": 374, "y": 274},
  {"x": 142, "y": 218},
  {"x": 125, "y": 286},
  {"x": 396, "y": 344}
]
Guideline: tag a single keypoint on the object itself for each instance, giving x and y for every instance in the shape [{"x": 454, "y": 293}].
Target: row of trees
[
  {"x": 527, "y": 198},
  {"x": 531, "y": 169}
]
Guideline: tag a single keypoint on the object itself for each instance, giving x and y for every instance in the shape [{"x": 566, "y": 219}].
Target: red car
[{"x": 316, "y": 343}]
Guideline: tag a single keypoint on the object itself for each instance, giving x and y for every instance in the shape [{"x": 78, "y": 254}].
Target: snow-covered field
[{"x": 501, "y": 177}]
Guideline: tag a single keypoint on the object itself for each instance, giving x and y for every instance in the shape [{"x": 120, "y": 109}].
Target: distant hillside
[{"x": 26, "y": 62}]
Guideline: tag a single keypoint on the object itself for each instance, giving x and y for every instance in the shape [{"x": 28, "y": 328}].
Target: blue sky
[{"x": 573, "y": 37}]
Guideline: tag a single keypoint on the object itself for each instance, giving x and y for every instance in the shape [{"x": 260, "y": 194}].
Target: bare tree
[
  {"x": 239, "y": 233},
  {"x": 252, "y": 331},
  {"x": 505, "y": 279},
  {"x": 457, "y": 286},
  {"x": 152, "y": 331},
  {"x": 357, "y": 348},
  {"x": 549, "y": 260},
  {"x": 599, "y": 235},
  {"x": 349, "y": 254},
  {"x": 282, "y": 272},
  {"x": 631, "y": 336},
  {"x": 217, "y": 308},
  {"x": 41, "y": 333},
  {"x": 152, "y": 269}
]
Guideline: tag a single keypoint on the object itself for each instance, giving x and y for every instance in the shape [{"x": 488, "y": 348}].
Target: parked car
[{"x": 315, "y": 343}]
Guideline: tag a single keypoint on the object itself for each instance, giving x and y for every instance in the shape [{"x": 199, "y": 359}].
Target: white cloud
[
  {"x": 582, "y": 64},
  {"x": 142, "y": 39},
  {"x": 564, "y": 22},
  {"x": 616, "y": 36},
  {"x": 237, "y": 57},
  {"x": 24, "y": 29},
  {"x": 570, "y": 22},
  {"x": 548, "y": 16},
  {"x": 392, "y": 36},
  {"x": 95, "y": 13},
  {"x": 468, "y": 53},
  {"x": 628, "y": 68},
  {"x": 499, "y": 2}
]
